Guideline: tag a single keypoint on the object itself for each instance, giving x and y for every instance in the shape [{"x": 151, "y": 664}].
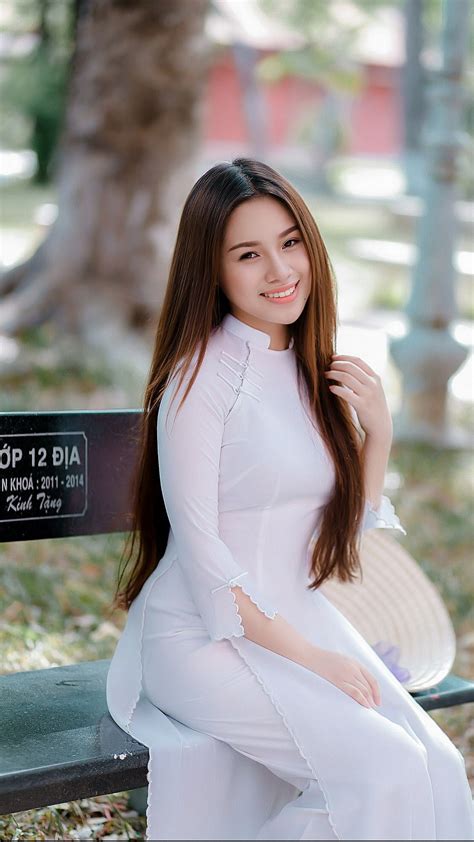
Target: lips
[{"x": 280, "y": 289}]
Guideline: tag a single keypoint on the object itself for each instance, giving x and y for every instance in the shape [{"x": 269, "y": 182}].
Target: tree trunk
[{"x": 126, "y": 160}]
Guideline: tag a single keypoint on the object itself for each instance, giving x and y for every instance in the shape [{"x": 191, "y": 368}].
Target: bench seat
[
  {"x": 58, "y": 739},
  {"x": 59, "y": 743}
]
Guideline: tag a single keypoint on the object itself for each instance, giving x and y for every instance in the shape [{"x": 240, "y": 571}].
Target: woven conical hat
[{"x": 396, "y": 603}]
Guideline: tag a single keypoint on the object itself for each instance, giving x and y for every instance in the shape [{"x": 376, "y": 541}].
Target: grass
[
  {"x": 55, "y": 594},
  {"x": 104, "y": 817}
]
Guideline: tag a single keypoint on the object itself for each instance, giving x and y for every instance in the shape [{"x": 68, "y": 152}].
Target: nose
[{"x": 278, "y": 269}]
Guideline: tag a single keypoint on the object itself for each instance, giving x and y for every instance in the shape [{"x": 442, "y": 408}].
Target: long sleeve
[{"x": 189, "y": 445}]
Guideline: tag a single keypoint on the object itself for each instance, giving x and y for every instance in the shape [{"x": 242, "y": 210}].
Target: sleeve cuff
[
  {"x": 384, "y": 517},
  {"x": 227, "y": 620}
]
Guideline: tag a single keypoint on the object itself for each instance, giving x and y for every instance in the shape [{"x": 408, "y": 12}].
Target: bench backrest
[{"x": 66, "y": 473}]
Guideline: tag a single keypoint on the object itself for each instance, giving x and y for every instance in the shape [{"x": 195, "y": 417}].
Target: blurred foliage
[
  {"x": 34, "y": 75},
  {"x": 106, "y": 817},
  {"x": 325, "y": 52}
]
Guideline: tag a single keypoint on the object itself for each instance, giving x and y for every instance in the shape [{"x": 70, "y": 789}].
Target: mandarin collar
[{"x": 256, "y": 337}]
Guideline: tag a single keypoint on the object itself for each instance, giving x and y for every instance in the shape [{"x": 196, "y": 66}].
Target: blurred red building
[{"x": 290, "y": 109}]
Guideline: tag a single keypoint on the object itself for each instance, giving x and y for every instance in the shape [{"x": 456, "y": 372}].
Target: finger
[
  {"x": 349, "y": 368},
  {"x": 347, "y": 394},
  {"x": 358, "y": 680},
  {"x": 373, "y": 684},
  {"x": 364, "y": 686},
  {"x": 345, "y": 377},
  {"x": 357, "y": 360},
  {"x": 357, "y": 694}
]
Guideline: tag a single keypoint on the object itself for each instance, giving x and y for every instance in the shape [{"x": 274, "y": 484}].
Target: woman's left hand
[{"x": 364, "y": 392}]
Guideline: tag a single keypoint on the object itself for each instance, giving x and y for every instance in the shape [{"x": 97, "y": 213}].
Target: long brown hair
[{"x": 193, "y": 306}]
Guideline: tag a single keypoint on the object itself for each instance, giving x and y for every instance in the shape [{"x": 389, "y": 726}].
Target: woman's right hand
[{"x": 349, "y": 675}]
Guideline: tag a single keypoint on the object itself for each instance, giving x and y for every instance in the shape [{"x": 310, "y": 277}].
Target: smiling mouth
[{"x": 284, "y": 292}]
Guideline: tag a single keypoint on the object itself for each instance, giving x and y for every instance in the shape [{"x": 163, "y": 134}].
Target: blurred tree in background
[{"x": 124, "y": 165}]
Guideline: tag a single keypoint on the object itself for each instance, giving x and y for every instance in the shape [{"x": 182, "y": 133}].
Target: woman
[{"x": 266, "y": 486}]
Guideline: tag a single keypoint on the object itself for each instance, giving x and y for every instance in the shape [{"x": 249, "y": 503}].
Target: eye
[
  {"x": 246, "y": 255},
  {"x": 292, "y": 240}
]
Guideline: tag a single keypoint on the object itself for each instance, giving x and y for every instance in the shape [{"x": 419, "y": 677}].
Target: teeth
[{"x": 280, "y": 294}]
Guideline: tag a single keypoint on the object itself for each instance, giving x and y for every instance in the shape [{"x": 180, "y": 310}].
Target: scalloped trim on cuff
[
  {"x": 228, "y": 622},
  {"x": 384, "y": 517}
]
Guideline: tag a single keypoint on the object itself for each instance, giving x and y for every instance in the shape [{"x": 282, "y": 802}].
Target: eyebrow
[{"x": 256, "y": 243}]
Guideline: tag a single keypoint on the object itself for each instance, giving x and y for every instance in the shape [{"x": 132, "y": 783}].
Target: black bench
[{"x": 58, "y": 741}]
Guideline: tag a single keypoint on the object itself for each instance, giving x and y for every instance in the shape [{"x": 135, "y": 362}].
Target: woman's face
[{"x": 263, "y": 252}]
